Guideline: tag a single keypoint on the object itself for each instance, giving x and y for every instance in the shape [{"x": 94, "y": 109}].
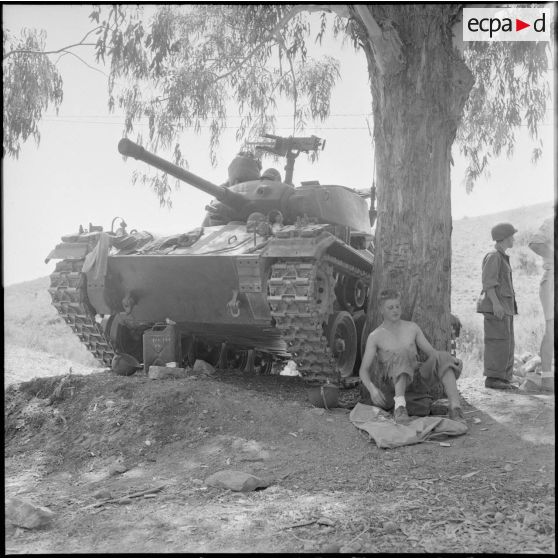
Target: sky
[{"x": 76, "y": 175}]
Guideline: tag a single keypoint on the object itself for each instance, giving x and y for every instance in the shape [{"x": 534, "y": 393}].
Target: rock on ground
[
  {"x": 27, "y": 515},
  {"x": 235, "y": 480},
  {"x": 250, "y": 450},
  {"x": 166, "y": 372},
  {"x": 202, "y": 367}
]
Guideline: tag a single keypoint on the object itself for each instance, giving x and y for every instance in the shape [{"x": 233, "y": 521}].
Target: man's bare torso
[{"x": 397, "y": 337}]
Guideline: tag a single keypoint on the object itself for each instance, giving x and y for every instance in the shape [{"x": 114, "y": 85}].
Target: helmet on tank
[{"x": 271, "y": 174}]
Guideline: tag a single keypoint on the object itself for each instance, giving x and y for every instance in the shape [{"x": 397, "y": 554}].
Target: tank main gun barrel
[{"x": 130, "y": 149}]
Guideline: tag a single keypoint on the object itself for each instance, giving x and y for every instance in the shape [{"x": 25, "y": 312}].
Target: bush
[
  {"x": 522, "y": 238},
  {"x": 470, "y": 347},
  {"x": 526, "y": 262}
]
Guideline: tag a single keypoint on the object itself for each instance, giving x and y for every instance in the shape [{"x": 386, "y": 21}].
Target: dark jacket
[{"x": 497, "y": 274}]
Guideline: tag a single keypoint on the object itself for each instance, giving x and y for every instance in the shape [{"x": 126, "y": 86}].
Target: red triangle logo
[{"x": 519, "y": 25}]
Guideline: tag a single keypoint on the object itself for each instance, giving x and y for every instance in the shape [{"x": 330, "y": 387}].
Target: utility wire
[
  {"x": 62, "y": 119},
  {"x": 115, "y": 116}
]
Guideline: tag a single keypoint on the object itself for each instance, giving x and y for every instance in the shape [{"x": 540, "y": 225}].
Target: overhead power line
[
  {"x": 116, "y": 116},
  {"x": 76, "y": 120}
]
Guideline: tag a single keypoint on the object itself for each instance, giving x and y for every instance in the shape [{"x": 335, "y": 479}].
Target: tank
[{"x": 274, "y": 273}]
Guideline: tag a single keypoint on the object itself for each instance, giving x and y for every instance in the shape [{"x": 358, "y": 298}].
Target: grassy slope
[{"x": 30, "y": 320}]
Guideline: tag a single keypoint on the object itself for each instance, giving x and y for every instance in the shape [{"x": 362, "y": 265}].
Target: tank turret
[{"x": 334, "y": 205}]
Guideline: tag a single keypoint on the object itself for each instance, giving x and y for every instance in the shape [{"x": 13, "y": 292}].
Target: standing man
[
  {"x": 497, "y": 303},
  {"x": 542, "y": 243}
]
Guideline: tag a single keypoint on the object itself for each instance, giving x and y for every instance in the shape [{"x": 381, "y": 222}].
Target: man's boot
[
  {"x": 498, "y": 383},
  {"x": 400, "y": 415}
]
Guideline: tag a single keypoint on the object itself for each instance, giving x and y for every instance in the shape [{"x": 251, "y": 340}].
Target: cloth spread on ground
[{"x": 381, "y": 428}]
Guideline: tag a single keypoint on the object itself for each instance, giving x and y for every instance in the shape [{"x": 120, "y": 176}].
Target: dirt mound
[
  {"x": 103, "y": 415},
  {"x": 71, "y": 439}
]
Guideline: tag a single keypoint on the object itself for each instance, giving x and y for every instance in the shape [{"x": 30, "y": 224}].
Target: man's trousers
[{"x": 499, "y": 347}]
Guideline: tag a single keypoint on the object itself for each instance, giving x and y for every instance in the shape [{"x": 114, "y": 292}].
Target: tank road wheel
[
  {"x": 263, "y": 363},
  {"x": 360, "y": 322},
  {"x": 188, "y": 346},
  {"x": 351, "y": 293},
  {"x": 233, "y": 359},
  {"x": 209, "y": 352},
  {"x": 355, "y": 292},
  {"x": 342, "y": 341}
]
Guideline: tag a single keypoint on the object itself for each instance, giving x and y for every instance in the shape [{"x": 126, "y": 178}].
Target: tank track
[
  {"x": 301, "y": 296},
  {"x": 68, "y": 290},
  {"x": 299, "y": 311}
]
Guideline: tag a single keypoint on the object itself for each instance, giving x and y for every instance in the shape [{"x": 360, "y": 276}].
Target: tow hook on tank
[{"x": 233, "y": 306}]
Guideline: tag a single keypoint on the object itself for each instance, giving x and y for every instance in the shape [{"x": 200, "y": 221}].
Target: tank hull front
[
  {"x": 189, "y": 289},
  {"x": 201, "y": 294}
]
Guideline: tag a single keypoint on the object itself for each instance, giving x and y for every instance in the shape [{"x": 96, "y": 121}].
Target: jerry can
[{"x": 161, "y": 345}]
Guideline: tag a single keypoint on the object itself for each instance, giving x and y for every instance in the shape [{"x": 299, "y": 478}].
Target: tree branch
[
  {"x": 63, "y": 49},
  {"x": 240, "y": 64},
  {"x": 44, "y": 52},
  {"x": 339, "y": 9},
  {"x": 81, "y": 60}
]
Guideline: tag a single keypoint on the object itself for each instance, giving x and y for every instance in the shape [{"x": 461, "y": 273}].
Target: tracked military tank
[{"x": 275, "y": 272}]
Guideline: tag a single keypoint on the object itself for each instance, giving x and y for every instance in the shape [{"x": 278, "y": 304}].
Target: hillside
[{"x": 31, "y": 322}]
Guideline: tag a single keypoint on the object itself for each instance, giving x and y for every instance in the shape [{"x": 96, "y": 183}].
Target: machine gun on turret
[{"x": 290, "y": 148}]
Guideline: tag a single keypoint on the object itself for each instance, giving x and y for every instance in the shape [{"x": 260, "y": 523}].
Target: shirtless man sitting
[{"x": 395, "y": 343}]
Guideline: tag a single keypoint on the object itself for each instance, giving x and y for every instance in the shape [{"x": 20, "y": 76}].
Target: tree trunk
[{"x": 419, "y": 86}]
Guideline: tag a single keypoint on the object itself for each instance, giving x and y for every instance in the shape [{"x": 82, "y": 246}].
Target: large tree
[{"x": 182, "y": 65}]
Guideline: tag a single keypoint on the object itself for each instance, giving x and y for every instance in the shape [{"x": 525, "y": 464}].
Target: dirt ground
[{"x": 491, "y": 490}]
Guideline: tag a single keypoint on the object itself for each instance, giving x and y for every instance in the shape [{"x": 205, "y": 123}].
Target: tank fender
[
  {"x": 312, "y": 247},
  {"x": 68, "y": 251},
  {"x": 358, "y": 258}
]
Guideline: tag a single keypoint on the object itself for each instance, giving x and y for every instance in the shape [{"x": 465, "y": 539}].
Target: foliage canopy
[
  {"x": 178, "y": 67},
  {"x": 31, "y": 82}
]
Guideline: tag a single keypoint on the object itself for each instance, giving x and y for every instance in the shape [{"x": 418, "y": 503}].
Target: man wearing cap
[
  {"x": 497, "y": 303},
  {"x": 542, "y": 243}
]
